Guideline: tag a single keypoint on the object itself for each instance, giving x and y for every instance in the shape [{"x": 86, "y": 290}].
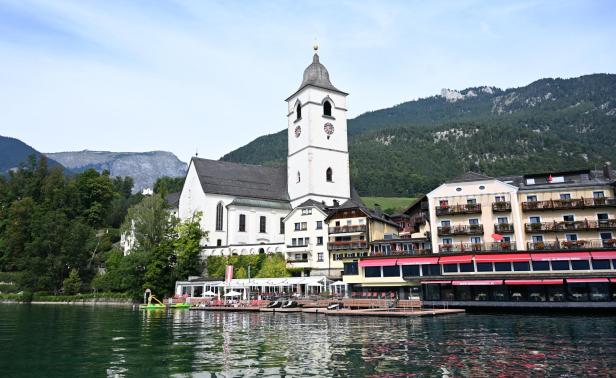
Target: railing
[
  {"x": 501, "y": 206},
  {"x": 477, "y": 247},
  {"x": 336, "y": 246},
  {"x": 297, "y": 260},
  {"x": 470, "y": 208},
  {"x": 585, "y": 225},
  {"x": 343, "y": 229},
  {"x": 572, "y": 244},
  {"x": 503, "y": 228},
  {"x": 469, "y": 229},
  {"x": 573, "y": 203},
  {"x": 297, "y": 246},
  {"x": 400, "y": 252}
]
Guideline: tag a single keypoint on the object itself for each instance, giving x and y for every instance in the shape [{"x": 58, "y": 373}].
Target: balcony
[
  {"x": 400, "y": 252},
  {"x": 567, "y": 204},
  {"x": 477, "y": 247},
  {"x": 346, "y": 245},
  {"x": 297, "y": 261},
  {"x": 298, "y": 246},
  {"x": 347, "y": 229},
  {"x": 585, "y": 225},
  {"x": 503, "y": 228},
  {"x": 470, "y": 208},
  {"x": 501, "y": 207},
  {"x": 469, "y": 229},
  {"x": 572, "y": 244}
]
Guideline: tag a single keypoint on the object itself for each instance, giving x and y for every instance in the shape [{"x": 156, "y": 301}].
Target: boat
[{"x": 160, "y": 305}]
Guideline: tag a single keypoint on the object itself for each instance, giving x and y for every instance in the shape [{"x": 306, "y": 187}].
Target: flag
[
  {"x": 497, "y": 237},
  {"x": 229, "y": 273}
]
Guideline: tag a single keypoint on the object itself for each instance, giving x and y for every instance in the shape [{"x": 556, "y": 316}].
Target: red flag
[
  {"x": 497, "y": 237},
  {"x": 550, "y": 178},
  {"x": 229, "y": 273}
]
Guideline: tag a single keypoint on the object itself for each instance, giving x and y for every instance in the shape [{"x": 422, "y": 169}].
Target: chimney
[
  {"x": 377, "y": 209},
  {"x": 336, "y": 203},
  {"x": 607, "y": 171}
]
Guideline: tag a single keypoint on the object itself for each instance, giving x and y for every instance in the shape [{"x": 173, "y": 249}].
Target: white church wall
[{"x": 252, "y": 235}]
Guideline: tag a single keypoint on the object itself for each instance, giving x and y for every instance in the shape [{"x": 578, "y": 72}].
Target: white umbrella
[
  {"x": 233, "y": 293},
  {"x": 209, "y": 293}
]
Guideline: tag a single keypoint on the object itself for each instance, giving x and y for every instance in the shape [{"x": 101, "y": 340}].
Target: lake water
[{"x": 66, "y": 341}]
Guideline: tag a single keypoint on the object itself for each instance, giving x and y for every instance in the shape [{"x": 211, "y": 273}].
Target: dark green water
[{"x": 68, "y": 341}]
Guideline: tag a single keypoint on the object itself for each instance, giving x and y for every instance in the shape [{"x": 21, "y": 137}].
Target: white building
[{"x": 250, "y": 209}]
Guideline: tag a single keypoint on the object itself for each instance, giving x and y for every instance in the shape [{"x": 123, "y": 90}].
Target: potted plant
[
  {"x": 505, "y": 245},
  {"x": 539, "y": 245},
  {"x": 610, "y": 242}
]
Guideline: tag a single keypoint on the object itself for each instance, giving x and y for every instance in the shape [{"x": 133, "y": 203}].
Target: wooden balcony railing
[
  {"x": 503, "y": 228},
  {"x": 477, "y": 247},
  {"x": 499, "y": 207},
  {"x": 572, "y": 244},
  {"x": 565, "y": 204},
  {"x": 336, "y": 246},
  {"x": 471, "y": 208},
  {"x": 400, "y": 252},
  {"x": 585, "y": 225},
  {"x": 345, "y": 229},
  {"x": 461, "y": 229}
]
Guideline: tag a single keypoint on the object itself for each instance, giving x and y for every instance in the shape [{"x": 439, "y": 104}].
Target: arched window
[
  {"x": 219, "y": 211},
  {"x": 328, "y": 175},
  {"x": 327, "y": 108},
  {"x": 298, "y": 111},
  {"x": 299, "y": 177}
]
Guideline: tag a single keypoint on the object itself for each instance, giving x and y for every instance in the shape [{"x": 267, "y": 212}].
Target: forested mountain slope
[
  {"x": 14, "y": 152},
  {"x": 550, "y": 124}
]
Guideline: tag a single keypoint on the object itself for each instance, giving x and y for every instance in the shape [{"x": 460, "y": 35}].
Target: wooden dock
[
  {"x": 393, "y": 313},
  {"x": 227, "y": 308},
  {"x": 281, "y": 310}
]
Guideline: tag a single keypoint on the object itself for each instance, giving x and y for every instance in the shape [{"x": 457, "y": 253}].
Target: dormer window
[
  {"x": 298, "y": 111},
  {"x": 327, "y": 108}
]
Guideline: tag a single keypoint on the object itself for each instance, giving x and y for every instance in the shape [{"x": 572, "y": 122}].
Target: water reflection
[{"x": 67, "y": 341}]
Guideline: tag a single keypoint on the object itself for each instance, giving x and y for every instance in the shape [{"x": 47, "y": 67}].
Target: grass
[{"x": 397, "y": 204}]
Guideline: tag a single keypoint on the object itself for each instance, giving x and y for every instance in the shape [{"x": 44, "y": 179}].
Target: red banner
[{"x": 229, "y": 273}]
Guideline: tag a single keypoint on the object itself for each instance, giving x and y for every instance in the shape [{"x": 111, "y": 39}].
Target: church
[{"x": 251, "y": 209}]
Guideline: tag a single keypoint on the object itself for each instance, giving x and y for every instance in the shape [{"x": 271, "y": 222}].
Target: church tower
[{"x": 318, "y": 160}]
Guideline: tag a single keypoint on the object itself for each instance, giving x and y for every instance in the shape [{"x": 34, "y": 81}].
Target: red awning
[
  {"x": 503, "y": 257},
  {"x": 612, "y": 279},
  {"x": 435, "y": 282},
  {"x": 534, "y": 282},
  {"x": 378, "y": 262},
  {"x": 417, "y": 260},
  {"x": 582, "y": 280},
  {"x": 477, "y": 283},
  {"x": 560, "y": 256},
  {"x": 456, "y": 259},
  {"x": 603, "y": 255}
]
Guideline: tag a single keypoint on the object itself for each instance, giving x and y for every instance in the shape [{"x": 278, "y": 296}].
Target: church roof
[
  {"x": 242, "y": 180},
  {"x": 173, "y": 199},
  {"x": 252, "y": 202}
]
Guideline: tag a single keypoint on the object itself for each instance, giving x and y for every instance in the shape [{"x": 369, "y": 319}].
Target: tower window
[
  {"x": 299, "y": 177},
  {"x": 328, "y": 175},
  {"x": 219, "y": 211},
  {"x": 327, "y": 108},
  {"x": 298, "y": 111}
]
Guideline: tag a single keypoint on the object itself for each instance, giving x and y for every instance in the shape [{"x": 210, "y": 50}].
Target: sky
[{"x": 210, "y": 76}]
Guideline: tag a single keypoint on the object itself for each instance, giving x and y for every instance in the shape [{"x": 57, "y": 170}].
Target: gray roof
[
  {"x": 316, "y": 75},
  {"x": 268, "y": 204},
  {"x": 468, "y": 177},
  {"x": 313, "y": 203},
  {"x": 350, "y": 204},
  {"x": 173, "y": 199},
  {"x": 242, "y": 180},
  {"x": 574, "y": 179}
]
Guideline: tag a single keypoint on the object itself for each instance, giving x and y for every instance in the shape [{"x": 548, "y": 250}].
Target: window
[
  {"x": 306, "y": 211},
  {"x": 580, "y": 265},
  {"x": 319, "y": 240},
  {"x": 450, "y": 268},
  {"x": 351, "y": 269},
  {"x": 328, "y": 175},
  {"x": 445, "y": 223},
  {"x": 539, "y": 266},
  {"x": 568, "y": 218},
  {"x": 298, "y": 111},
  {"x": 349, "y": 222},
  {"x": 557, "y": 179},
  {"x": 281, "y": 226},
  {"x": 531, "y": 198},
  {"x": 447, "y": 241},
  {"x": 502, "y": 266},
  {"x": 294, "y": 241},
  {"x": 484, "y": 267},
  {"x": 320, "y": 256},
  {"x": 467, "y": 268},
  {"x": 306, "y": 241},
  {"x": 534, "y": 220},
  {"x": 537, "y": 238},
  {"x": 530, "y": 181},
  {"x": 391, "y": 271},
  {"x": 565, "y": 196},
  {"x": 319, "y": 225},
  {"x": 219, "y": 211},
  {"x": 304, "y": 226},
  {"x": 219, "y": 242},
  {"x": 499, "y": 199},
  {"x": 502, "y": 220},
  {"x": 606, "y": 235},
  {"x": 476, "y": 239},
  {"x": 299, "y": 177},
  {"x": 471, "y": 201},
  {"x": 410, "y": 270},
  {"x": 443, "y": 203},
  {"x": 602, "y": 217},
  {"x": 522, "y": 266},
  {"x": 327, "y": 108},
  {"x": 571, "y": 237},
  {"x": 473, "y": 221},
  {"x": 242, "y": 223},
  {"x": 262, "y": 224},
  {"x": 372, "y": 271},
  {"x": 297, "y": 226},
  {"x": 430, "y": 270},
  {"x": 598, "y": 194},
  {"x": 601, "y": 264},
  {"x": 560, "y": 265}
]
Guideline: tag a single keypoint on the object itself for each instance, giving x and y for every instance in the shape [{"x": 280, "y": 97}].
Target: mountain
[
  {"x": 14, "y": 152},
  {"x": 410, "y": 148},
  {"x": 143, "y": 167}
]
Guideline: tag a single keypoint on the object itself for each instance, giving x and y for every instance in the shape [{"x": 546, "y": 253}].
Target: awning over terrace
[
  {"x": 456, "y": 259},
  {"x": 503, "y": 257},
  {"x": 377, "y": 262},
  {"x": 417, "y": 260},
  {"x": 534, "y": 282},
  {"x": 603, "y": 255},
  {"x": 587, "y": 280},
  {"x": 560, "y": 256},
  {"x": 477, "y": 283}
]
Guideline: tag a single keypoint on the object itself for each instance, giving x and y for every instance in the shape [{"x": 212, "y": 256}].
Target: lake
[{"x": 68, "y": 341}]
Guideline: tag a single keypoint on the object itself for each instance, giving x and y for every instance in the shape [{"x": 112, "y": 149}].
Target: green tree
[
  {"x": 166, "y": 185},
  {"x": 187, "y": 247},
  {"x": 274, "y": 266},
  {"x": 72, "y": 284}
]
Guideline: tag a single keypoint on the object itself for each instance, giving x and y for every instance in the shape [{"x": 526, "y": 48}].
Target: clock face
[
  {"x": 298, "y": 131},
  {"x": 328, "y": 128}
]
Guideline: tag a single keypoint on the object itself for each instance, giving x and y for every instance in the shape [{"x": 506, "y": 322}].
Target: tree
[
  {"x": 274, "y": 266},
  {"x": 72, "y": 285},
  {"x": 187, "y": 247},
  {"x": 166, "y": 185}
]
